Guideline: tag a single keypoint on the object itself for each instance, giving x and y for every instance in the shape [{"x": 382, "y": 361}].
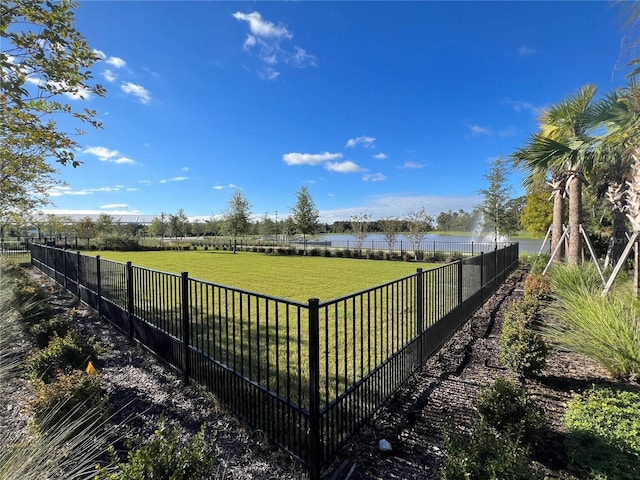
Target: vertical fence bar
[
  {"x": 186, "y": 373},
  {"x": 130, "y": 298},
  {"x": 460, "y": 283},
  {"x": 98, "y": 287},
  {"x": 78, "y": 275},
  {"x": 315, "y": 453},
  {"x": 419, "y": 314}
]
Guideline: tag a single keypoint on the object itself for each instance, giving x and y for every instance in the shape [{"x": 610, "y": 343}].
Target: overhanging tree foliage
[{"x": 44, "y": 65}]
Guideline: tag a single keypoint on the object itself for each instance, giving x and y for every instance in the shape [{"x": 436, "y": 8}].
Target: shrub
[
  {"x": 540, "y": 263},
  {"x": 339, "y": 253},
  {"x": 522, "y": 349},
  {"x": 44, "y": 331},
  {"x": 347, "y": 253},
  {"x": 61, "y": 355},
  {"x": 314, "y": 252},
  {"x": 537, "y": 286},
  {"x": 485, "y": 455},
  {"x": 327, "y": 252},
  {"x": 164, "y": 458},
  {"x": 506, "y": 407},
  {"x": 68, "y": 396},
  {"x": 603, "y": 438}
]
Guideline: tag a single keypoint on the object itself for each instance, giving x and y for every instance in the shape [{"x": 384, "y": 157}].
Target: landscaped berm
[{"x": 509, "y": 396}]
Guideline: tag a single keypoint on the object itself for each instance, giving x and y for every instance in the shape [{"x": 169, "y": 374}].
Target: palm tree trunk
[
  {"x": 574, "y": 185},
  {"x": 556, "y": 226}
]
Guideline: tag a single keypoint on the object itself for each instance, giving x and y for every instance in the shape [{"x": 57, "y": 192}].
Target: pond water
[{"x": 376, "y": 241}]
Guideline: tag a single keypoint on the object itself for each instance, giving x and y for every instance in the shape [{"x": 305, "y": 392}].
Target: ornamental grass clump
[{"x": 605, "y": 329}]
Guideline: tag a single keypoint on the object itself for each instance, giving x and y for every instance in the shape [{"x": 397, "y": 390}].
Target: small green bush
[
  {"x": 44, "y": 331},
  {"x": 61, "y": 355},
  {"x": 327, "y": 252},
  {"x": 164, "y": 458},
  {"x": 538, "y": 265},
  {"x": 522, "y": 349},
  {"x": 603, "y": 439},
  {"x": 506, "y": 407},
  {"x": 69, "y": 395},
  {"x": 485, "y": 455},
  {"x": 537, "y": 286}
]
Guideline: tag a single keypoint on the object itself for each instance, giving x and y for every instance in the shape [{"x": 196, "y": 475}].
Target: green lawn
[{"x": 292, "y": 277}]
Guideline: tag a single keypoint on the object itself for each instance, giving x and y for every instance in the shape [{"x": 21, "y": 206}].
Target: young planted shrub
[
  {"x": 522, "y": 349},
  {"x": 61, "y": 355},
  {"x": 68, "y": 396},
  {"x": 537, "y": 286},
  {"x": 485, "y": 454},
  {"x": 506, "y": 407},
  {"x": 44, "y": 331},
  {"x": 164, "y": 457},
  {"x": 603, "y": 439}
]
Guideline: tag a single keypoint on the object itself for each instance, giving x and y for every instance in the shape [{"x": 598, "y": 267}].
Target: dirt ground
[{"x": 440, "y": 396}]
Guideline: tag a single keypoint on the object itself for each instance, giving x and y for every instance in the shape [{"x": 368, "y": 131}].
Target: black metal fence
[{"x": 306, "y": 374}]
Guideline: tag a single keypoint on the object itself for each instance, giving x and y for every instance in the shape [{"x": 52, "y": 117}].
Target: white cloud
[
  {"x": 309, "y": 158},
  {"x": 365, "y": 141},
  {"x": 111, "y": 206},
  {"x": 374, "y": 177},
  {"x": 106, "y": 155},
  {"x": 124, "y": 160},
  {"x": 477, "y": 130},
  {"x": 103, "y": 153},
  {"x": 344, "y": 167},
  {"x": 131, "y": 189},
  {"x": 116, "y": 62},
  {"x": 222, "y": 187},
  {"x": 525, "y": 50},
  {"x": 184, "y": 169},
  {"x": 138, "y": 91},
  {"x": 174, "y": 179},
  {"x": 145, "y": 182},
  {"x": 262, "y": 28},
  {"x": 266, "y": 39},
  {"x": 268, "y": 73},
  {"x": 109, "y": 76},
  {"x": 58, "y": 191},
  {"x": 520, "y": 106},
  {"x": 380, "y": 156},
  {"x": 413, "y": 165}
]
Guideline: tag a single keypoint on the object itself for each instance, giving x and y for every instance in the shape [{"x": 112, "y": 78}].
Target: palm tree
[
  {"x": 619, "y": 113},
  {"x": 563, "y": 147}
]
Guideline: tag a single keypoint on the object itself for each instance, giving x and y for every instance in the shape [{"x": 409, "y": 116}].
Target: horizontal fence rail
[{"x": 307, "y": 374}]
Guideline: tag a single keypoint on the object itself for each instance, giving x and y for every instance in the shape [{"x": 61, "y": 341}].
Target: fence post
[
  {"x": 460, "y": 282},
  {"x": 186, "y": 372},
  {"x": 481, "y": 277},
  {"x": 64, "y": 267},
  {"x": 78, "y": 275},
  {"x": 130, "y": 298},
  {"x": 99, "y": 287},
  {"x": 315, "y": 453},
  {"x": 419, "y": 314}
]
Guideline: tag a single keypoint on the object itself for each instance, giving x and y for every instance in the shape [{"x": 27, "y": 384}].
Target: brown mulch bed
[{"x": 441, "y": 396}]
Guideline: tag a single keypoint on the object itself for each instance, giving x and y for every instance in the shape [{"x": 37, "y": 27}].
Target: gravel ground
[{"x": 440, "y": 396}]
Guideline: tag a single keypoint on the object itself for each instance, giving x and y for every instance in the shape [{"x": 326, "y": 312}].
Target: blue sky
[{"x": 377, "y": 107}]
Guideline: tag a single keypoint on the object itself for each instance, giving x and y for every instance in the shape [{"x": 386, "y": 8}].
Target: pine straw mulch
[{"x": 440, "y": 396}]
